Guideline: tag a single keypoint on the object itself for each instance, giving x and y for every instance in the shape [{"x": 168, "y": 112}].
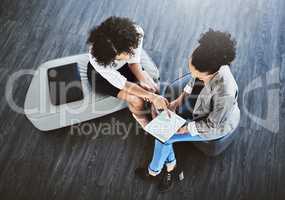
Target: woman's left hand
[
  {"x": 148, "y": 83},
  {"x": 183, "y": 130}
]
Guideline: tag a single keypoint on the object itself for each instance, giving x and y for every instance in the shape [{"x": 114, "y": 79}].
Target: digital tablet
[
  {"x": 64, "y": 84},
  {"x": 164, "y": 127}
]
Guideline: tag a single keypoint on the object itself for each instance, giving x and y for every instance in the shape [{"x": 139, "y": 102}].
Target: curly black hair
[
  {"x": 215, "y": 49},
  {"x": 112, "y": 37}
]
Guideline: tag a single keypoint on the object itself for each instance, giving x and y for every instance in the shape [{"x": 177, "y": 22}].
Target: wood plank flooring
[{"x": 66, "y": 165}]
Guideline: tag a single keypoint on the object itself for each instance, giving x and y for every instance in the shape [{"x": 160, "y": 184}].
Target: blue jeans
[{"x": 164, "y": 154}]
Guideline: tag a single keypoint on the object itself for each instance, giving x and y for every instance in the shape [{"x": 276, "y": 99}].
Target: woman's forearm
[
  {"x": 137, "y": 70},
  {"x": 145, "y": 80},
  {"x": 136, "y": 90},
  {"x": 158, "y": 101},
  {"x": 181, "y": 98}
]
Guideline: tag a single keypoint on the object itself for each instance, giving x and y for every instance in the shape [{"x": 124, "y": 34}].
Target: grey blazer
[{"x": 216, "y": 112}]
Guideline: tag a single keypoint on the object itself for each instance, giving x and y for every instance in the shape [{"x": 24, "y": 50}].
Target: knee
[
  {"x": 167, "y": 142},
  {"x": 159, "y": 143}
]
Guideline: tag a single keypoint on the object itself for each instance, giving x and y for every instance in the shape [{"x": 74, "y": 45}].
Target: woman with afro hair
[
  {"x": 114, "y": 67},
  {"x": 213, "y": 107}
]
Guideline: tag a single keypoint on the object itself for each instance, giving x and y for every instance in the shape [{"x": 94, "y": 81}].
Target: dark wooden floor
[{"x": 62, "y": 165}]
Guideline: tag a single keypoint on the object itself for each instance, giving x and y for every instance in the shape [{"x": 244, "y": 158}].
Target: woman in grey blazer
[{"x": 215, "y": 111}]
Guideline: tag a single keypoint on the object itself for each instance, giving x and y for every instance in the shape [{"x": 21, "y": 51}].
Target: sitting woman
[
  {"x": 114, "y": 67},
  {"x": 215, "y": 111}
]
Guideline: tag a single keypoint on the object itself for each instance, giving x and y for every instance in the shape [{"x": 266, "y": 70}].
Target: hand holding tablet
[{"x": 164, "y": 127}]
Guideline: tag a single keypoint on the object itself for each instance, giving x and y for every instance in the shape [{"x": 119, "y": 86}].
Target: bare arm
[
  {"x": 143, "y": 77},
  {"x": 137, "y": 70},
  {"x": 181, "y": 98},
  {"x": 178, "y": 101},
  {"x": 159, "y": 101}
]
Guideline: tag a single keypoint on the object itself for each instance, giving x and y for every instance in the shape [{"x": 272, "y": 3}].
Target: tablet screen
[
  {"x": 163, "y": 127},
  {"x": 64, "y": 84}
]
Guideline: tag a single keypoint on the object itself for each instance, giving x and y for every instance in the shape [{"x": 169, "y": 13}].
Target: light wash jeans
[{"x": 164, "y": 154}]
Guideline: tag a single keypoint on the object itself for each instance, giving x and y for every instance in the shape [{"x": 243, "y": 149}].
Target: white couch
[{"x": 45, "y": 116}]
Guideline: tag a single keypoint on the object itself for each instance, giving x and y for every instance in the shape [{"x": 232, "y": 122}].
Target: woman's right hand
[
  {"x": 160, "y": 102},
  {"x": 173, "y": 105}
]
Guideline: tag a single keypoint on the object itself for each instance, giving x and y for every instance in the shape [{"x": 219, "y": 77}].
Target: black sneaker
[
  {"x": 142, "y": 172},
  {"x": 169, "y": 179}
]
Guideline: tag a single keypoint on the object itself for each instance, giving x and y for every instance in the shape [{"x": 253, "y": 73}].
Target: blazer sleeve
[
  {"x": 189, "y": 86},
  {"x": 223, "y": 105}
]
